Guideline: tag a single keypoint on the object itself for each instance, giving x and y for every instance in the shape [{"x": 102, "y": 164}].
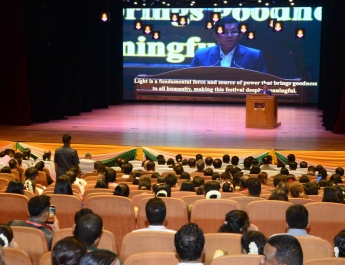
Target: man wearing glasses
[{"x": 228, "y": 53}]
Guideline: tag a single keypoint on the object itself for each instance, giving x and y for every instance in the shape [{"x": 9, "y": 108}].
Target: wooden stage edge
[{"x": 184, "y": 125}]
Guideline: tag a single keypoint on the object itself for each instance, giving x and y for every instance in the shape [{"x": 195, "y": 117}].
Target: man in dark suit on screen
[{"x": 265, "y": 90}]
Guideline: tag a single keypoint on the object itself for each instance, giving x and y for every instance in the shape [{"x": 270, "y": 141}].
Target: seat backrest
[
  {"x": 46, "y": 259},
  {"x": 146, "y": 241},
  {"x": 42, "y": 178},
  {"x": 3, "y": 183},
  {"x": 135, "y": 192},
  {"x": 66, "y": 207},
  {"x": 229, "y": 195},
  {"x": 177, "y": 214},
  {"x": 97, "y": 190},
  {"x": 164, "y": 169},
  {"x": 224, "y": 241},
  {"x": 29, "y": 194},
  {"x": 152, "y": 258},
  {"x": 314, "y": 248},
  {"x": 242, "y": 259},
  {"x": 268, "y": 215},
  {"x": 14, "y": 256},
  {"x": 245, "y": 200},
  {"x": 209, "y": 214},
  {"x": 16, "y": 175},
  {"x": 91, "y": 177},
  {"x": 179, "y": 194},
  {"x": 31, "y": 240},
  {"x": 107, "y": 240},
  {"x": 302, "y": 201},
  {"x": 7, "y": 176},
  {"x": 326, "y": 219},
  {"x": 137, "y": 198},
  {"x": 190, "y": 199},
  {"x": 117, "y": 214},
  {"x": 325, "y": 261},
  {"x": 315, "y": 198},
  {"x": 13, "y": 207}
]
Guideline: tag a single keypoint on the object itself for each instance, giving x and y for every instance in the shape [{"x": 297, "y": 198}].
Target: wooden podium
[{"x": 261, "y": 111}]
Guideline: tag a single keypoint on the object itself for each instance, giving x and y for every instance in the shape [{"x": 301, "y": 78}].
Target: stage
[{"x": 183, "y": 125}]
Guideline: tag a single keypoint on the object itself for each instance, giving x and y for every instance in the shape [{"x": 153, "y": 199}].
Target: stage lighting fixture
[
  {"x": 300, "y": 33},
  {"x": 105, "y": 17},
  {"x": 174, "y": 17},
  {"x": 215, "y": 16},
  {"x": 156, "y": 35},
  {"x": 138, "y": 25},
  {"x": 243, "y": 27},
  {"x": 147, "y": 29},
  {"x": 182, "y": 21},
  {"x": 209, "y": 24},
  {"x": 251, "y": 35},
  {"x": 278, "y": 26}
]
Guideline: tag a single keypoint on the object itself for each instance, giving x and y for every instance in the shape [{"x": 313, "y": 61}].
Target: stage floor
[{"x": 183, "y": 125}]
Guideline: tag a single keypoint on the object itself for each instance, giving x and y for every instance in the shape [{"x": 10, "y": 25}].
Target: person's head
[
  {"x": 296, "y": 189},
  {"x": 243, "y": 181},
  {"x": 278, "y": 178},
  {"x": 198, "y": 181},
  {"x": 101, "y": 184},
  {"x": 101, "y": 170},
  {"x": 100, "y": 257},
  {"x": 39, "y": 165},
  {"x": 80, "y": 213},
  {"x": 187, "y": 185},
  {"x": 284, "y": 171},
  {"x": 208, "y": 161},
  {"x": 198, "y": 156},
  {"x": 171, "y": 180},
  {"x": 253, "y": 242},
  {"x": 96, "y": 164},
  {"x": 63, "y": 185},
  {"x": 211, "y": 186},
  {"x": 192, "y": 162},
  {"x": 291, "y": 158},
  {"x": 230, "y": 36},
  {"x": 200, "y": 165},
  {"x": 226, "y": 159},
  {"x": 6, "y": 169},
  {"x": 155, "y": 211},
  {"x": 215, "y": 176},
  {"x": 208, "y": 172},
  {"x": 247, "y": 162},
  {"x": 122, "y": 190},
  {"x": 189, "y": 242},
  {"x": 279, "y": 195},
  {"x": 38, "y": 207},
  {"x": 255, "y": 169},
  {"x": 144, "y": 184},
  {"x": 13, "y": 163},
  {"x": 170, "y": 162},
  {"x": 296, "y": 216},
  {"x": 31, "y": 173},
  {"x": 6, "y": 236},
  {"x": 110, "y": 175},
  {"x": 323, "y": 173},
  {"x": 15, "y": 186},
  {"x": 333, "y": 194},
  {"x": 150, "y": 166},
  {"x": 217, "y": 163},
  {"x": 265, "y": 160},
  {"x": 304, "y": 179},
  {"x": 178, "y": 158},
  {"x": 66, "y": 139},
  {"x": 77, "y": 173},
  {"x": 282, "y": 249},
  {"x": 303, "y": 164},
  {"x": 340, "y": 171},
  {"x": 311, "y": 188},
  {"x": 236, "y": 221},
  {"x": 235, "y": 160},
  {"x": 185, "y": 175},
  {"x": 335, "y": 179},
  {"x": 47, "y": 155},
  {"x": 339, "y": 244},
  {"x": 127, "y": 168},
  {"x": 161, "y": 160},
  {"x": 162, "y": 190},
  {"x": 89, "y": 228},
  {"x": 68, "y": 251},
  {"x": 254, "y": 186},
  {"x": 263, "y": 176},
  {"x": 178, "y": 169}
]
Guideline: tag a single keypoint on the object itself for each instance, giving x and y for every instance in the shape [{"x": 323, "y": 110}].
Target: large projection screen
[{"x": 161, "y": 69}]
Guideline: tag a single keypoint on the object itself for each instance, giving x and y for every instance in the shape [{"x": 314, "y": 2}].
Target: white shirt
[
  {"x": 226, "y": 59},
  {"x": 156, "y": 228}
]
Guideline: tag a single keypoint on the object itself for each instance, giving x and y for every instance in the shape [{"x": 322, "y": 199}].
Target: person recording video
[{"x": 228, "y": 52}]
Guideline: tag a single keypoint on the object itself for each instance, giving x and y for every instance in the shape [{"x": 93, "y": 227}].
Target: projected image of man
[{"x": 228, "y": 52}]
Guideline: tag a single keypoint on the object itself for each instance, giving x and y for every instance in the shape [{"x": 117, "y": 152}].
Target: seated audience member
[
  {"x": 192, "y": 163},
  {"x": 227, "y": 187},
  {"x": 38, "y": 207},
  {"x": 178, "y": 169},
  {"x": 198, "y": 181},
  {"x": 243, "y": 182},
  {"x": 335, "y": 179},
  {"x": 340, "y": 171},
  {"x": 150, "y": 167},
  {"x": 291, "y": 158},
  {"x": 161, "y": 160},
  {"x": 217, "y": 163},
  {"x": 208, "y": 161},
  {"x": 100, "y": 257},
  {"x": 208, "y": 172},
  {"x": 279, "y": 195},
  {"x": 200, "y": 166},
  {"x": 297, "y": 220},
  {"x": 247, "y": 163},
  {"x": 14, "y": 165},
  {"x": 339, "y": 244},
  {"x": 310, "y": 171},
  {"x": 170, "y": 162},
  {"x": 127, "y": 170},
  {"x": 8, "y": 154},
  {"x": 6, "y": 237},
  {"x": 155, "y": 175},
  {"x": 135, "y": 176},
  {"x": 226, "y": 160},
  {"x": 185, "y": 175},
  {"x": 333, "y": 194},
  {"x": 212, "y": 190},
  {"x": 40, "y": 166},
  {"x": 254, "y": 187},
  {"x": 110, "y": 177},
  {"x": 263, "y": 177},
  {"x": 68, "y": 251},
  {"x": 101, "y": 184},
  {"x": 304, "y": 179},
  {"x": 6, "y": 169},
  {"x": 236, "y": 180},
  {"x": 253, "y": 243},
  {"x": 323, "y": 173},
  {"x": 47, "y": 155},
  {"x": 184, "y": 162},
  {"x": 292, "y": 166},
  {"x": 323, "y": 183},
  {"x": 31, "y": 175},
  {"x": 237, "y": 221},
  {"x": 234, "y": 161},
  {"x": 88, "y": 229},
  {"x": 296, "y": 189},
  {"x": 155, "y": 213},
  {"x": 145, "y": 182},
  {"x": 76, "y": 178},
  {"x": 284, "y": 171},
  {"x": 171, "y": 180},
  {"x": 282, "y": 249},
  {"x": 15, "y": 186},
  {"x": 122, "y": 190},
  {"x": 162, "y": 190},
  {"x": 290, "y": 178},
  {"x": 303, "y": 164},
  {"x": 215, "y": 176},
  {"x": 255, "y": 169},
  {"x": 63, "y": 185},
  {"x": 200, "y": 190},
  {"x": 266, "y": 164},
  {"x": 311, "y": 188},
  {"x": 187, "y": 185},
  {"x": 189, "y": 244},
  {"x": 278, "y": 179}
]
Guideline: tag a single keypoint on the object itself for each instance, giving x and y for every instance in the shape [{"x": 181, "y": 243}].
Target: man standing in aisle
[{"x": 65, "y": 156}]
